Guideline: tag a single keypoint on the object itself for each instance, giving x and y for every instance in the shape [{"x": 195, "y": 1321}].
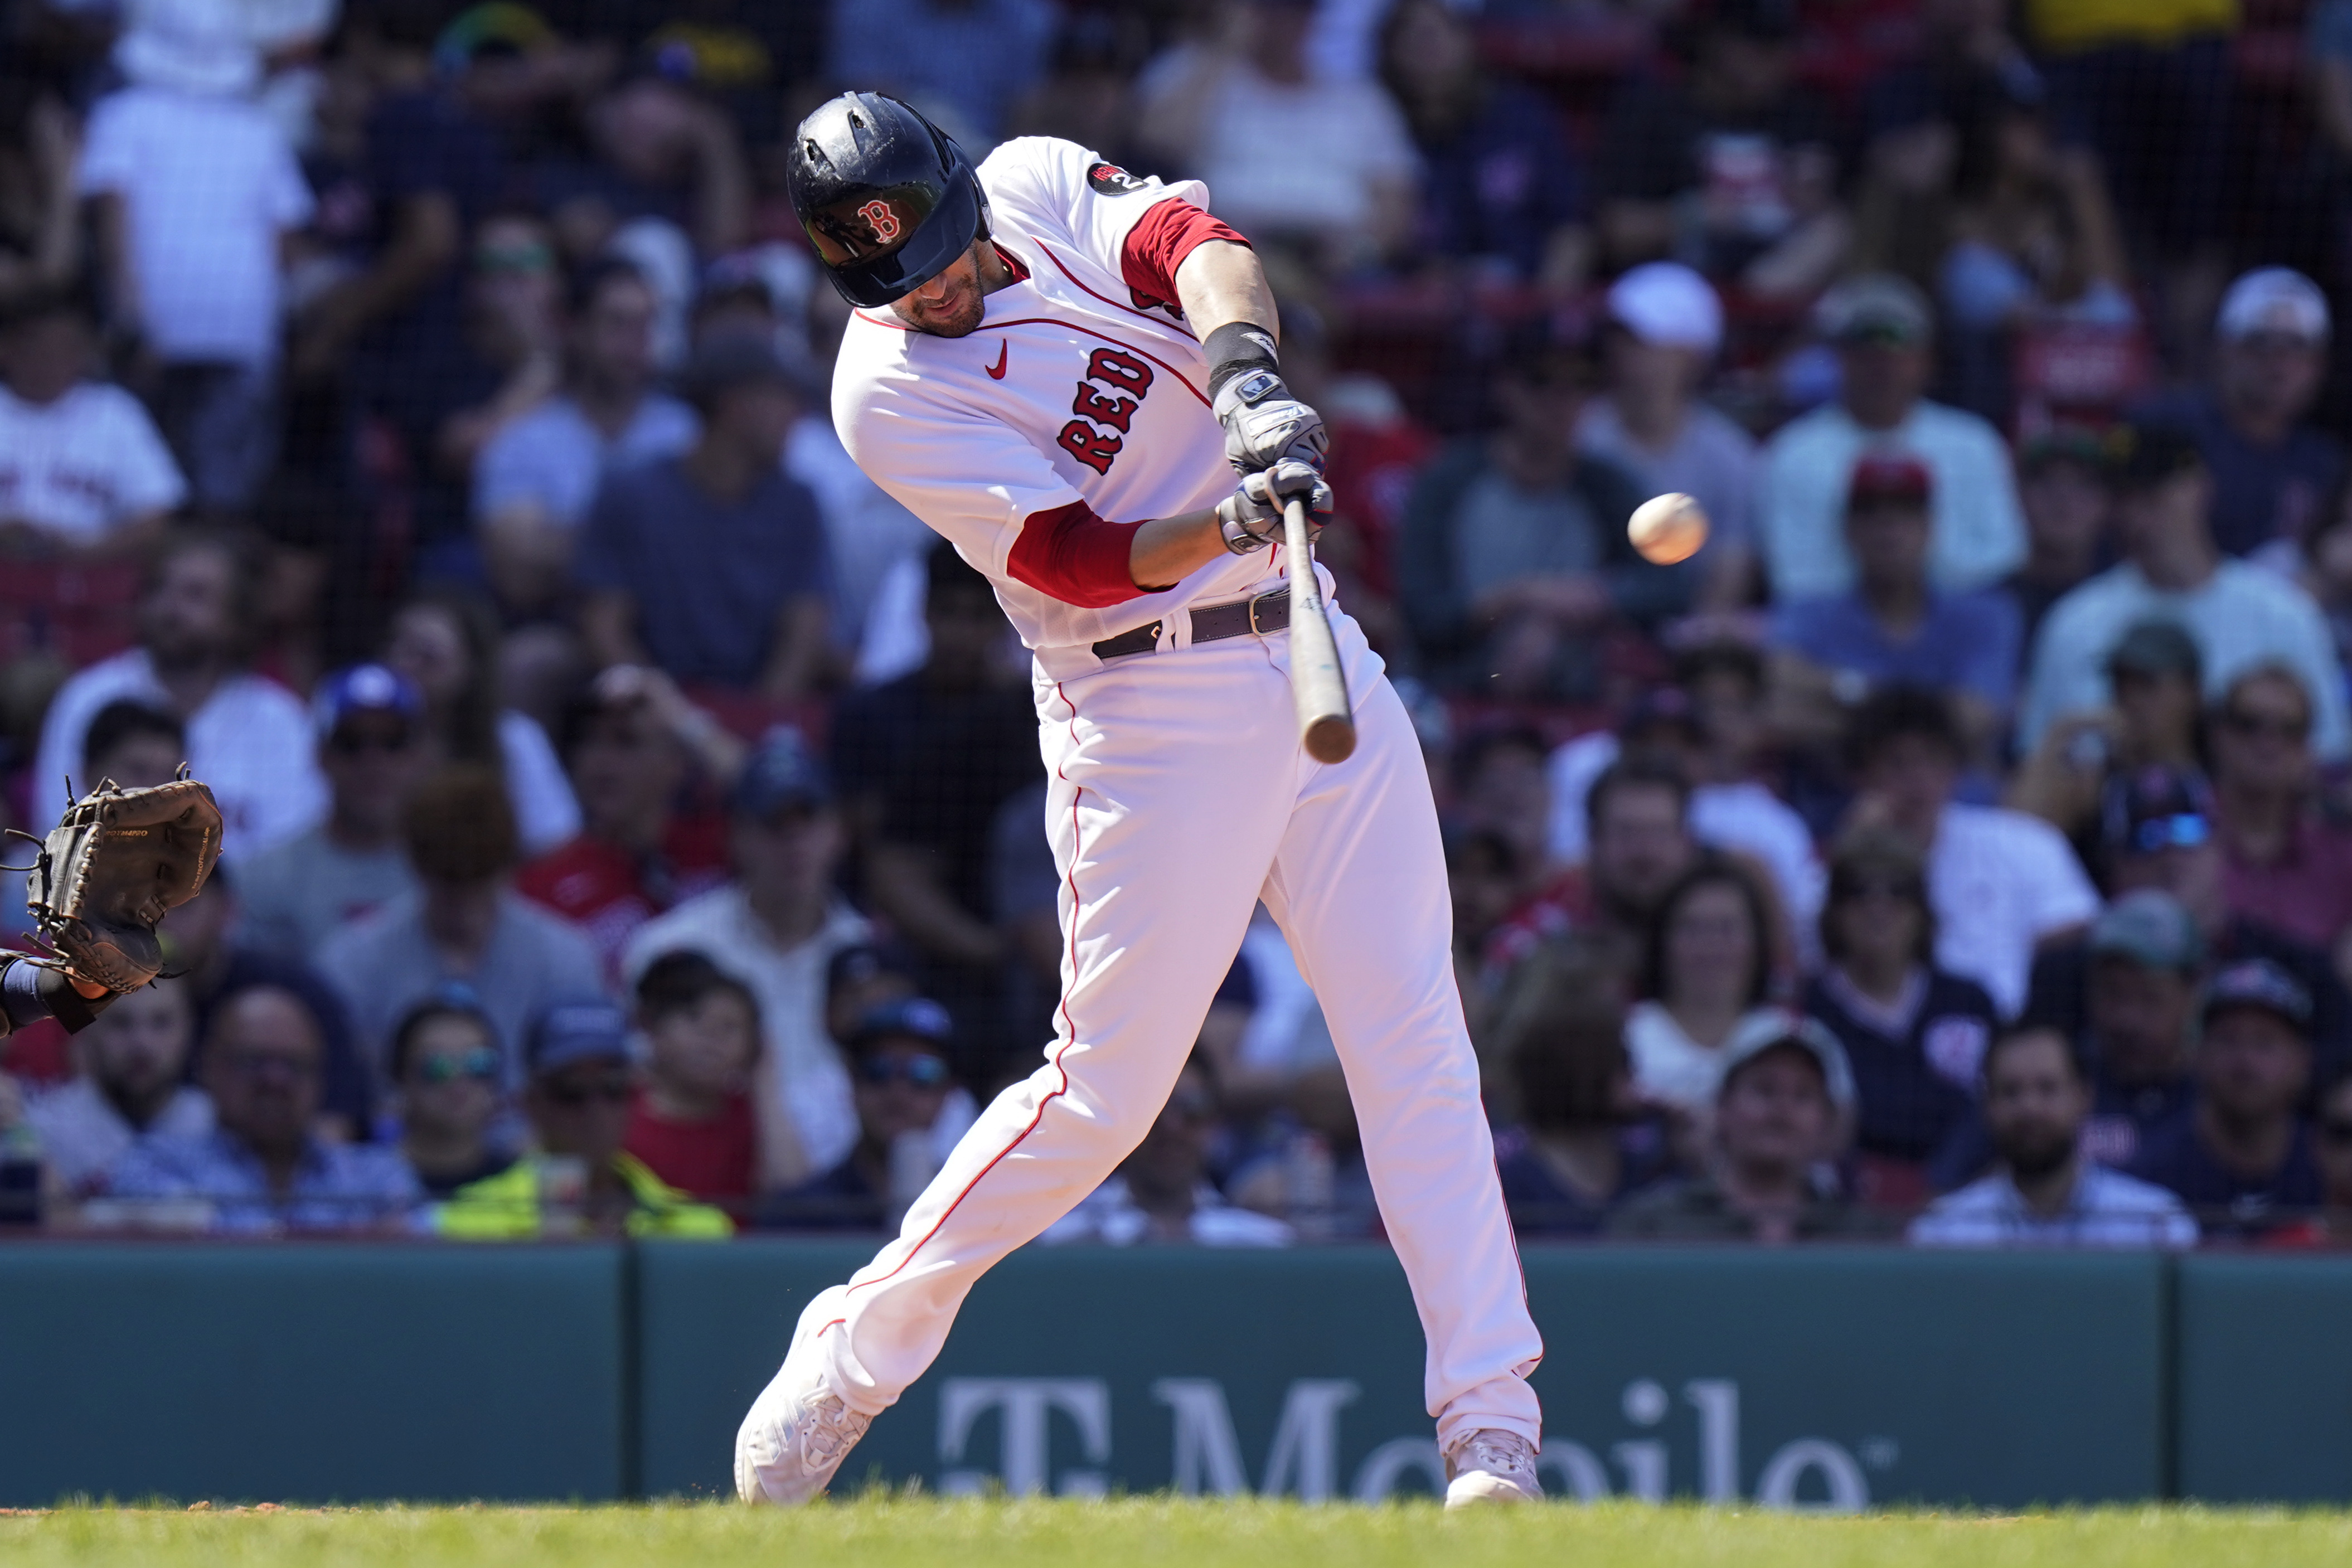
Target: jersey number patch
[
  {"x": 884, "y": 222},
  {"x": 1110, "y": 180},
  {"x": 1110, "y": 372}
]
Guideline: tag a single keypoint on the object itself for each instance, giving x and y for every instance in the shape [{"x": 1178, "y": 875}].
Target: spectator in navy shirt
[
  {"x": 2272, "y": 472},
  {"x": 898, "y": 1061},
  {"x": 1586, "y": 1140},
  {"x": 1893, "y": 627},
  {"x": 2242, "y": 1159},
  {"x": 1500, "y": 191},
  {"x": 1915, "y": 1033},
  {"x": 713, "y": 565}
]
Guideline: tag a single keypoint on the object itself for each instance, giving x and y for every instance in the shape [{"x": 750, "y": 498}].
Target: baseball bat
[{"x": 1326, "y": 726}]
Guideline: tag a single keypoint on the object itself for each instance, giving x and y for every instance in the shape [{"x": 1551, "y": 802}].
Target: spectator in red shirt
[
  {"x": 631, "y": 743},
  {"x": 2284, "y": 866},
  {"x": 693, "y": 1122}
]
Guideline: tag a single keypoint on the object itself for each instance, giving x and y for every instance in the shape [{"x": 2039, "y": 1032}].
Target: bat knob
[{"x": 1331, "y": 739}]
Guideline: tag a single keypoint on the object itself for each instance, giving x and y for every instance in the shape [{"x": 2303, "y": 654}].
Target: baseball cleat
[
  {"x": 1491, "y": 1467},
  {"x": 794, "y": 1436}
]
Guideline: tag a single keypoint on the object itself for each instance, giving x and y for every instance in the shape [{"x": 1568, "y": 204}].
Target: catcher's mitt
[{"x": 111, "y": 870}]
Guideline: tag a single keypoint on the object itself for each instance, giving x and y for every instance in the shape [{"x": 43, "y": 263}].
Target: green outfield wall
[{"x": 1825, "y": 1378}]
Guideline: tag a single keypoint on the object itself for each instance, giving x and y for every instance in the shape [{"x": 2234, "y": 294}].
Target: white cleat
[
  {"x": 1489, "y": 1467},
  {"x": 795, "y": 1437}
]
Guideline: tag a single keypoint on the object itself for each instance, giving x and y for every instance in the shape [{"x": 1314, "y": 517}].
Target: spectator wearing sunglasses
[
  {"x": 300, "y": 892},
  {"x": 2283, "y": 864},
  {"x": 2155, "y": 831},
  {"x": 2240, "y": 1158},
  {"x": 449, "y": 1074},
  {"x": 695, "y": 1123},
  {"x": 578, "y": 1179},
  {"x": 2331, "y": 1143},
  {"x": 898, "y": 1056}
]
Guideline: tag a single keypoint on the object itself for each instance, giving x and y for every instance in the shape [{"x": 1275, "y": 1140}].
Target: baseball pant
[{"x": 1178, "y": 796}]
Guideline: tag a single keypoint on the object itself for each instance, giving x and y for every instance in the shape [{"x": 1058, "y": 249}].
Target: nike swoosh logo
[{"x": 1004, "y": 348}]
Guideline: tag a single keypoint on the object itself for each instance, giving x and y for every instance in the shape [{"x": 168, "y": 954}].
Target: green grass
[{"x": 886, "y": 1532}]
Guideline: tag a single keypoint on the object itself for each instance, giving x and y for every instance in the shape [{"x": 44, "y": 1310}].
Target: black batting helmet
[{"x": 888, "y": 198}]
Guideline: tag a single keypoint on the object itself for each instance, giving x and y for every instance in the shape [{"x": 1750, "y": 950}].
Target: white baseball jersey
[{"x": 1068, "y": 393}]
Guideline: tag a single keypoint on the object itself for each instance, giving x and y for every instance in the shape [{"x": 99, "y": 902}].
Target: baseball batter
[{"x": 1060, "y": 368}]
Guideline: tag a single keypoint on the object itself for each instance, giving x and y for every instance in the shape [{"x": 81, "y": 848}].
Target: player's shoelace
[
  {"x": 1500, "y": 1454},
  {"x": 828, "y": 1429}
]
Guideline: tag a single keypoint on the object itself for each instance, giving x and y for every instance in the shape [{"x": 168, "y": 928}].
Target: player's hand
[
  {"x": 1266, "y": 425},
  {"x": 1250, "y": 517}
]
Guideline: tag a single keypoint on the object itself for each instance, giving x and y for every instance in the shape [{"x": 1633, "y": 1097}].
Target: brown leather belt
[{"x": 1270, "y": 612}]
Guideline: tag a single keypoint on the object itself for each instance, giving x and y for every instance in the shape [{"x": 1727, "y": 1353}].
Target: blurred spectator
[
  {"x": 2048, "y": 1191},
  {"x": 1501, "y": 193},
  {"x": 775, "y": 926},
  {"x": 446, "y": 642},
  {"x": 262, "y": 1169},
  {"x": 83, "y": 470},
  {"x": 898, "y": 1059},
  {"x": 2271, "y": 471},
  {"x": 1292, "y": 159},
  {"x": 508, "y": 360},
  {"x": 248, "y": 736},
  {"x": 578, "y": 1180},
  {"x": 2324, "y": 566},
  {"x": 712, "y": 564},
  {"x": 2001, "y": 883},
  {"x": 1087, "y": 93},
  {"x": 2062, "y": 483},
  {"x": 2034, "y": 241},
  {"x": 1706, "y": 972},
  {"x": 2242, "y": 1159},
  {"x": 1894, "y": 626},
  {"x": 536, "y": 477},
  {"x": 1731, "y": 167},
  {"x": 2157, "y": 675},
  {"x": 196, "y": 191},
  {"x": 463, "y": 924},
  {"x": 966, "y": 63},
  {"x": 2156, "y": 832},
  {"x": 695, "y": 1124},
  {"x": 925, "y": 763},
  {"x": 136, "y": 745},
  {"x": 2287, "y": 864},
  {"x": 2241, "y": 615},
  {"x": 1162, "y": 1192},
  {"x": 663, "y": 159},
  {"x": 2331, "y": 1141},
  {"x": 1585, "y": 1141},
  {"x": 40, "y": 217},
  {"x": 1915, "y": 1033},
  {"x": 298, "y": 892},
  {"x": 1784, "y": 1092},
  {"x": 1501, "y": 793},
  {"x": 1514, "y": 553},
  {"x": 1712, "y": 720},
  {"x": 1665, "y": 328},
  {"x": 630, "y": 740},
  {"x": 1637, "y": 820},
  {"x": 2139, "y": 1016},
  {"x": 446, "y": 1067},
  {"x": 1880, "y": 326},
  {"x": 130, "y": 1082}
]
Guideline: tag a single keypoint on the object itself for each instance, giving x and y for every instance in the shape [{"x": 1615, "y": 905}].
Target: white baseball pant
[{"x": 1179, "y": 796}]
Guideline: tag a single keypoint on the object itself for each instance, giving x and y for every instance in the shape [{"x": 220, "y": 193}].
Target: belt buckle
[{"x": 1254, "y": 602}]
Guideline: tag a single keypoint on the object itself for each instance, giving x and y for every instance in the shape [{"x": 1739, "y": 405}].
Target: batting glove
[
  {"x": 1250, "y": 517},
  {"x": 1266, "y": 425}
]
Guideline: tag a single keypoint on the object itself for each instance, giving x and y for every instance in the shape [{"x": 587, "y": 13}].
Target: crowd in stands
[{"x": 414, "y": 417}]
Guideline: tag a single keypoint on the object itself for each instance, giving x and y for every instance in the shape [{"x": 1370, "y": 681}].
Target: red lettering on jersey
[
  {"x": 1114, "y": 411},
  {"x": 1119, "y": 370},
  {"x": 885, "y": 222},
  {"x": 1093, "y": 448}
]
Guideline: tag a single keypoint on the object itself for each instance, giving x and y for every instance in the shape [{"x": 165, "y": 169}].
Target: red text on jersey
[{"x": 1116, "y": 373}]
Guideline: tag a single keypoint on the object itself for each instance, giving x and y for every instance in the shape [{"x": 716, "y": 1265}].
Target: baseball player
[{"x": 1059, "y": 366}]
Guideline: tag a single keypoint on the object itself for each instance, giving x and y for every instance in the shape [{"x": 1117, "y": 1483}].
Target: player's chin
[{"x": 961, "y": 320}]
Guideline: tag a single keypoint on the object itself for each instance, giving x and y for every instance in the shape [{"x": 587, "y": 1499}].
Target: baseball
[{"x": 1667, "y": 528}]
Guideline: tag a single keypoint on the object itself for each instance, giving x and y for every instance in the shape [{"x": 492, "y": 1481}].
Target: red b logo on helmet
[{"x": 884, "y": 221}]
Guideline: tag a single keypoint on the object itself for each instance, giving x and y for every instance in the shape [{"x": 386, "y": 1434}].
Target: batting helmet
[{"x": 888, "y": 198}]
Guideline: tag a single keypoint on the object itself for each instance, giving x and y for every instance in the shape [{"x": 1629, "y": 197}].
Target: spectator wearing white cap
[
  {"x": 1666, "y": 328},
  {"x": 1882, "y": 326},
  {"x": 2272, "y": 472},
  {"x": 196, "y": 187}
]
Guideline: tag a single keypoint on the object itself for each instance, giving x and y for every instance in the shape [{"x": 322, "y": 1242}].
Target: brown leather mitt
[{"x": 110, "y": 872}]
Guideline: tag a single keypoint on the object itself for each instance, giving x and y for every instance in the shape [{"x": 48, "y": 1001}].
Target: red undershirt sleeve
[
  {"x": 1076, "y": 556},
  {"x": 1159, "y": 243}
]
